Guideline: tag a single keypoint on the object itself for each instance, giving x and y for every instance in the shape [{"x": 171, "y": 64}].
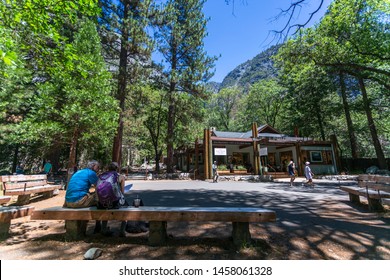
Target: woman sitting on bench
[{"x": 110, "y": 189}]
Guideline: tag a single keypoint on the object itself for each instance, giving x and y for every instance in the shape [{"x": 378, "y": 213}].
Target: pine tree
[{"x": 180, "y": 34}]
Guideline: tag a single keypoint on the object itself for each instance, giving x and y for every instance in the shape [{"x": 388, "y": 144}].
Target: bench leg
[
  {"x": 241, "y": 235},
  {"x": 157, "y": 233},
  {"x": 75, "y": 229},
  {"x": 375, "y": 204},
  {"x": 23, "y": 199},
  {"x": 4, "y": 230},
  {"x": 48, "y": 194},
  {"x": 354, "y": 198}
]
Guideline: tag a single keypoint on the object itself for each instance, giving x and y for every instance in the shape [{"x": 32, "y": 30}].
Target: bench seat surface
[
  {"x": 150, "y": 213},
  {"x": 5, "y": 199},
  {"x": 13, "y": 212},
  {"x": 363, "y": 192}
]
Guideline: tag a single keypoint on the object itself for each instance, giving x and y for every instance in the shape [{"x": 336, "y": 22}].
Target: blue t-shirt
[
  {"x": 47, "y": 167},
  {"x": 79, "y": 184}
]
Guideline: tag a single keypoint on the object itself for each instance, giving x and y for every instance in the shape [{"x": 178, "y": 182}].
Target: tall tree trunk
[
  {"x": 351, "y": 130},
  {"x": 157, "y": 137},
  {"x": 117, "y": 147},
  {"x": 377, "y": 145},
  {"x": 320, "y": 123},
  {"x": 171, "y": 113},
  {"x": 72, "y": 154},
  {"x": 121, "y": 91},
  {"x": 15, "y": 158},
  {"x": 171, "y": 121}
]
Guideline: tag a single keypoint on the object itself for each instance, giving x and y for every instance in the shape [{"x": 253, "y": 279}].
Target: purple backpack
[{"x": 106, "y": 189}]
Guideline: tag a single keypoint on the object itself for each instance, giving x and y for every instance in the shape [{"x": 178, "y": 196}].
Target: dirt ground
[{"x": 45, "y": 240}]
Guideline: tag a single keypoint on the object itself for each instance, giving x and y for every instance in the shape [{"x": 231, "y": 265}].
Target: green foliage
[
  {"x": 223, "y": 108},
  {"x": 55, "y": 85},
  {"x": 78, "y": 95},
  {"x": 179, "y": 39},
  {"x": 263, "y": 104},
  {"x": 43, "y": 20},
  {"x": 351, "y": 39}
]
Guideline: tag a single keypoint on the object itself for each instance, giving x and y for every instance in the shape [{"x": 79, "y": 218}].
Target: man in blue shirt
[{"x": 77, "y": 192}]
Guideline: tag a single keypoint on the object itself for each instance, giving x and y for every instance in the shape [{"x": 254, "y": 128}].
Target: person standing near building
[
  {"x": 215, "y": 172},
  {"x": 20, "y": 169},
  {"x": 47, "y": 167},
  {"x": 309, "y": 174},
  {"x": 291, "y": 171}
]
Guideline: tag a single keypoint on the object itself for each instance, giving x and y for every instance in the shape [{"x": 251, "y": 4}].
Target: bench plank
[
  {"x": 21, "y": 178},
  {"x": 25, "y": 185},
  {"x": 217, "y": 214},
  {"x": 36, "y": 189},
  {"x": 4, "y": 199},
  {"x": 76, "y": 219},
  {"x": 375, "y": 188},
  {"x": 9, "y": 213},
  {"x": 374, "y": 178}
]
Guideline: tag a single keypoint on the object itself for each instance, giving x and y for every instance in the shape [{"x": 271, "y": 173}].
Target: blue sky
[{"x": 240, "y": 32}]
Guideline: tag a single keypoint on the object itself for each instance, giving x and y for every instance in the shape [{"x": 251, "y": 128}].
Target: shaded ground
[{"x": 316, "y": 223}]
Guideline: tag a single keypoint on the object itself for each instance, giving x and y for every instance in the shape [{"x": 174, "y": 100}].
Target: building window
[{"x": 315, "y": 156}]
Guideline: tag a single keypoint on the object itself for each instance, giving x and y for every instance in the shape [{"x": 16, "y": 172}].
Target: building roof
[
  {"x": 266, "y": 134},
  {"x": 228, "y": 134},
  {"x": 265, "y": 130}
]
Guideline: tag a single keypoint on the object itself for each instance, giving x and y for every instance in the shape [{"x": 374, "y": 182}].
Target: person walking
[
  {"x": 309, "y": 174},
  {"x": 215, "y": 172},
  {"x": 291, "y": 171}
]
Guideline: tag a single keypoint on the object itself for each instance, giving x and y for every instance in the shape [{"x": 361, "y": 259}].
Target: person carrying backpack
[{"x": 109, "y": 190}]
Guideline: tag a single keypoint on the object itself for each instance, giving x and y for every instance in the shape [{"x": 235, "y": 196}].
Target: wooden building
[{"x": 261, "y": 151}]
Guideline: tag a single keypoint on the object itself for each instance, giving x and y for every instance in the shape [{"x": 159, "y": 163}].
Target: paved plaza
[{"x": 321, "y": 217}]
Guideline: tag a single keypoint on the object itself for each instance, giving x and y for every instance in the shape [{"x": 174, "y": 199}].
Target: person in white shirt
[
  {"x": 309, "y": 174},
  {"x": 215, "y": 172}
]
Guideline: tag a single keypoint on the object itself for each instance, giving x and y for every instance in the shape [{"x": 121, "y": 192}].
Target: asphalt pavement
[{"x": 303, "y": 212}]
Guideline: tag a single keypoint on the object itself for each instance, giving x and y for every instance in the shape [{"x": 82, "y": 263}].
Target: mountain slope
[{"x": 253, "y": 70}]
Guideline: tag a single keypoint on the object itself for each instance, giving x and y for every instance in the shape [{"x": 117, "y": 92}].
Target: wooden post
[
  {"x": 337, "y": 161},
  {"x": 256, "y": 155},
  {"x": 206, "y": 136},
  {"x": 210, "y": 155},
  {"x": 299, "y": 165},
  {"x": 196, "y": 171}
]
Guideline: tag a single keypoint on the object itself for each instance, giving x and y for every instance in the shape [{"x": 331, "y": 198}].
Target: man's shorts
[{"x": 90, "y": 199}]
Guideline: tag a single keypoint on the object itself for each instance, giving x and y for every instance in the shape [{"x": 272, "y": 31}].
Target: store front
[{"x": 268, "y": 152}]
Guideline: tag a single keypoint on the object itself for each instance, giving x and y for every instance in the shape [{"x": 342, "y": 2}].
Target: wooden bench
[
  {"x": 4, "y": 199},
  {"x": 25, "y": 185},
  {"x": 9, "y": 213},
  {"x": 375, "y": 188},
  {"x": 76, "y": 219}
]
